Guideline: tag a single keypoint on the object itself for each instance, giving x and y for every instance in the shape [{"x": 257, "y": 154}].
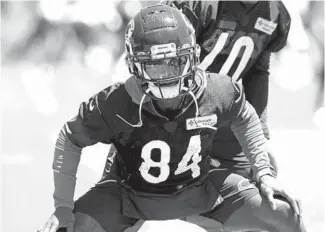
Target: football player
[
  {"x": 162, "y": 121},
  {"x": 237, "y": 39}
]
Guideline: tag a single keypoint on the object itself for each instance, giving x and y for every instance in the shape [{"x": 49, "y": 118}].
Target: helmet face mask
[
  {"x": 165, "y": 77},
  {"x": 162, "y": 76},
  {"x": 162, "y": 55}
]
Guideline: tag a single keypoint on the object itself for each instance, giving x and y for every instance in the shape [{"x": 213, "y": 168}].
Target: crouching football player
[{"x": 162, "y": 122}]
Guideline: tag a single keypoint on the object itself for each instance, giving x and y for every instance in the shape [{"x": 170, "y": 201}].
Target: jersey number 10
[{"x": 244, "y": 41}]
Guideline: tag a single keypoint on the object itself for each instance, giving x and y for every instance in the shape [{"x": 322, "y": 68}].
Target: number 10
[{"x": 244, "y": 41}]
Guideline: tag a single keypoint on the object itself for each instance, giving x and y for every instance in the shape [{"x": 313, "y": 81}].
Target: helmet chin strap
[{"x": 140, "y": 123}]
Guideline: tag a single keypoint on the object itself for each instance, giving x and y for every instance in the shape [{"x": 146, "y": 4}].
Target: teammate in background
[
  {"x": 237, "y": 39},
  {"x": 162, "y": 122}
]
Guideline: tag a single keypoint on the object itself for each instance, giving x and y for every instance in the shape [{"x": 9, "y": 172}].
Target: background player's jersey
[
  {"x": 233, "y": 34},
  {"x": 162, "y": 155},
  {"x": 236, "y": 38}
]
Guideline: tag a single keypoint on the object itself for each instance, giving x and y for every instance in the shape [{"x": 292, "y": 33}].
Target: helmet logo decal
[{"x": 163, "y": 51}]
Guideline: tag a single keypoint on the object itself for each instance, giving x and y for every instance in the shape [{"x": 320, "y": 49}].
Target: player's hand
[
  {"x": 271, "y": 186},
  {"x": 62, "y": 218}
]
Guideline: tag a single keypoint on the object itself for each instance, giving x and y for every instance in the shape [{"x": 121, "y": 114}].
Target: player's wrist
[
  {"x": 262, "y": 173},
  {"x": 265, "y": 178},
  {"x": 64, "y": 214},
  {"x": 63, "y": 210}
]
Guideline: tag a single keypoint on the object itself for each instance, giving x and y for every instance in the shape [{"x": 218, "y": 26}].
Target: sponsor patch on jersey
[
  {"x": 265, "y": 25},
  {"x": 201, "y": 122}
]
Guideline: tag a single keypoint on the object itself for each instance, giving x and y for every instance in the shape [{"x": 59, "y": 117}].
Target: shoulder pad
[
  {"x": 283, "y": 19},
  {"x": 110, "y": 91},
  {"x": 223, "y": 87}
]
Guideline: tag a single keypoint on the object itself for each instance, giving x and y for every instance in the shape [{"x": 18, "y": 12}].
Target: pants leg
[
  {"x": 245, "y": 209},
  {"x": 101, "y": 207},
  {"x": 234, "y": 189}
]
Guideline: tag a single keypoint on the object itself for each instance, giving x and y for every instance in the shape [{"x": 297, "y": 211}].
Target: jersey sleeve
[
  {"x": 235, "y": 111},
  {"x": 248, "y": 131},
  {"x": 280, "y": 37},
  {"x": 235, "y": 99},
  {"x": 256, "y": 88},
  {"x": 91, "y": 124},
  {"x": 87, "y": 128}
]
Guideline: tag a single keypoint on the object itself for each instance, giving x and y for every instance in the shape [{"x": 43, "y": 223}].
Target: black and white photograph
[{"x": 162, "y": 116}]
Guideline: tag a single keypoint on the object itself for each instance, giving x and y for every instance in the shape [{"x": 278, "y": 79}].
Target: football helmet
[{"x": 161, "y": 51}]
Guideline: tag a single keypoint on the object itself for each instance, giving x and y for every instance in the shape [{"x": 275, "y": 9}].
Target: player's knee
[
  {"x": 282, "y": 219},
  {"x": 288, "y": 221},
  {"x": 283, "y": 208},
  {"x": 84, "y": 222}
]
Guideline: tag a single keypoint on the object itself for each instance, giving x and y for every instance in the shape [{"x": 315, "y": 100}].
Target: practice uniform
[{"x": 163, "y": 163}]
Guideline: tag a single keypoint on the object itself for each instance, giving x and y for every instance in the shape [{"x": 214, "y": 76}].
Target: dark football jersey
[
  {"x": 233, "y": 34},
  {"x": 236, "y": 38},
  {"x": 161, "y": 155}
]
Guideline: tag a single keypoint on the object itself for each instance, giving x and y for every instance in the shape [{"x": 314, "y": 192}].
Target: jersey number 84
[{"x": 192, "y": 153}]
